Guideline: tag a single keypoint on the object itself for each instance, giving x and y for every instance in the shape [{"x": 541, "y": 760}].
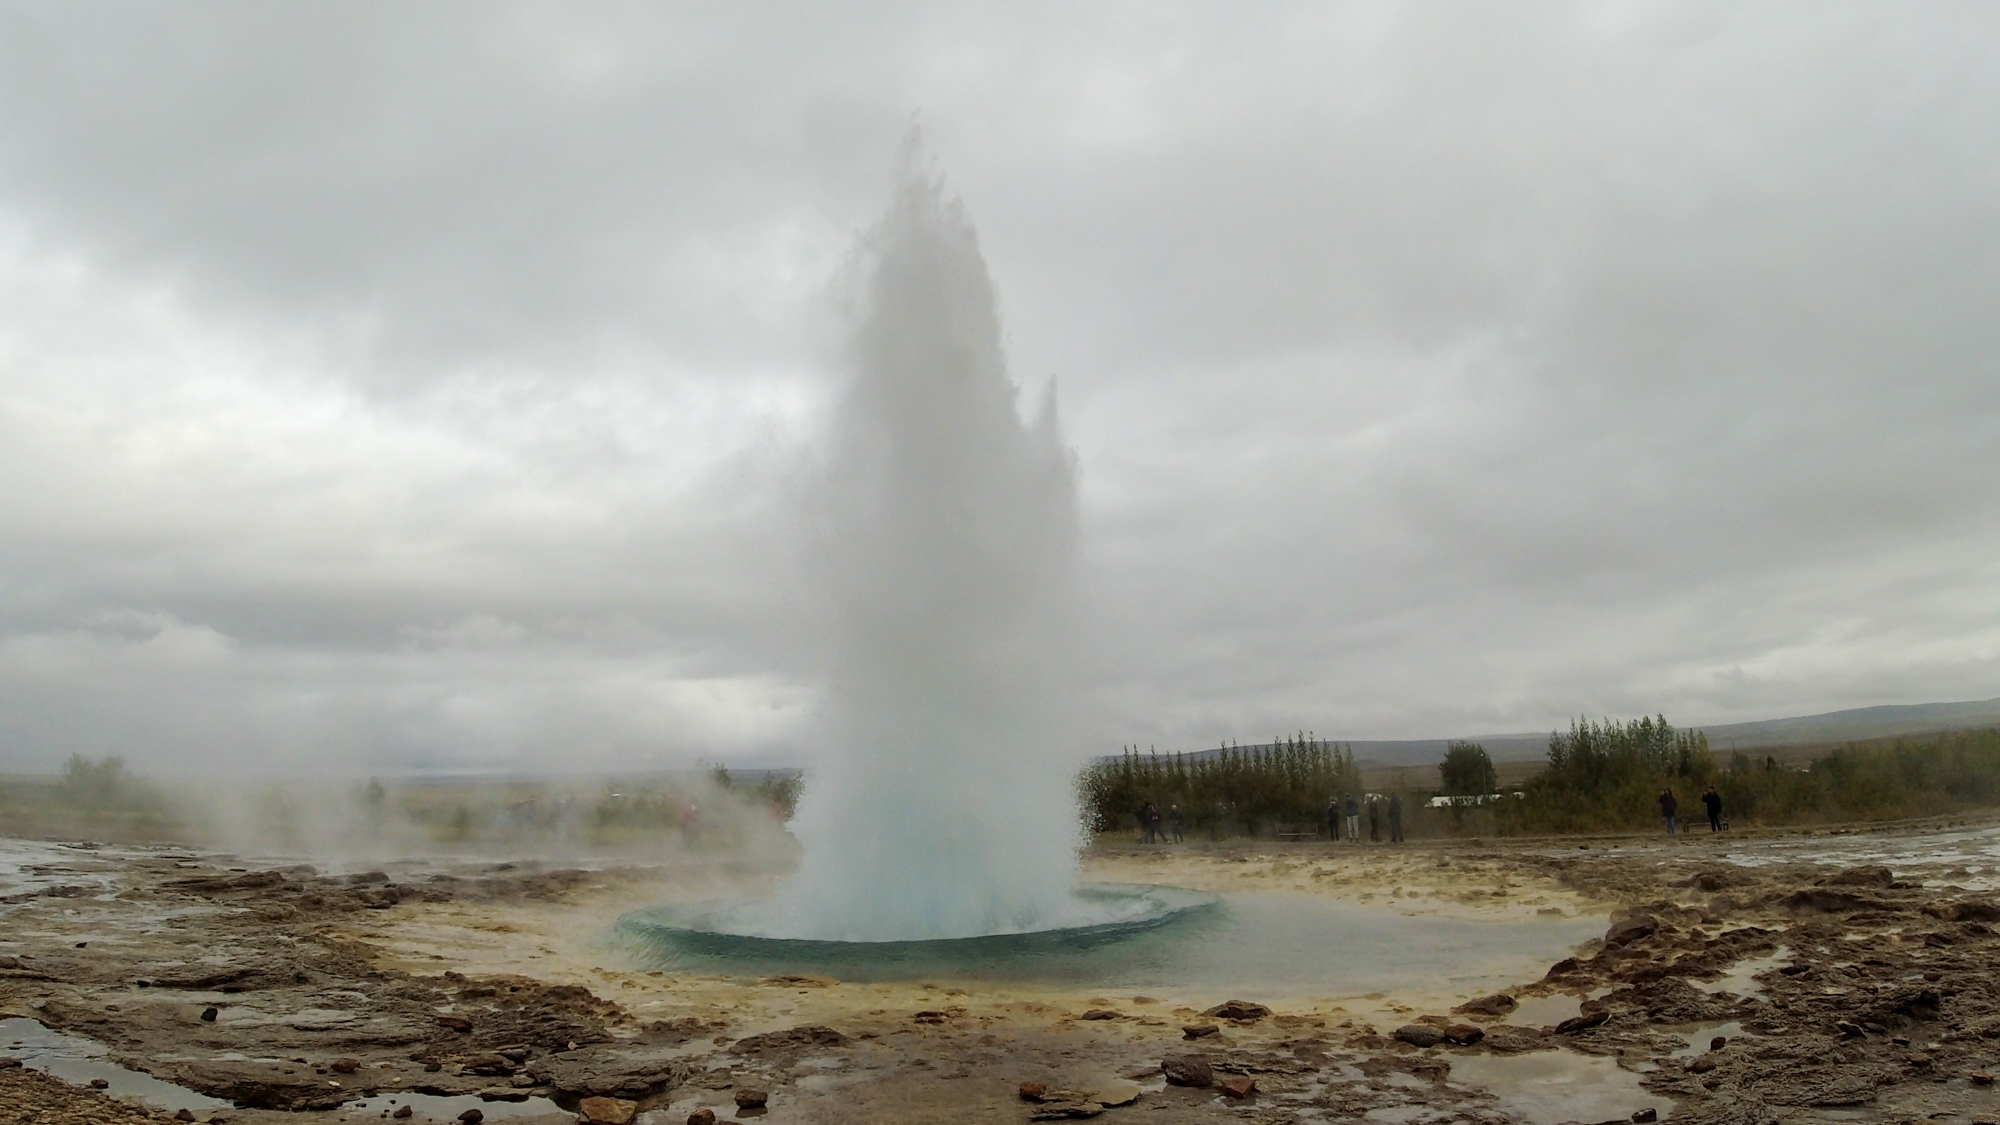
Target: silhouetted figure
[
  {"x": 1668, "y": 807},
  {"x": 1353, "y": 819},
  {"x": 1174, "y": 822},
  {"x": 1333, "y": 819},
  {"x": 1713, "y": 800},
  {"x": 1374, "y": 822},
  {"x": 1149, "y": 822},
  {"x": 1395, "y": 818}
]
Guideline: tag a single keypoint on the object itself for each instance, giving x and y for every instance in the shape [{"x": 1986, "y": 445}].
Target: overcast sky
[{"x": 389, "y": 385}]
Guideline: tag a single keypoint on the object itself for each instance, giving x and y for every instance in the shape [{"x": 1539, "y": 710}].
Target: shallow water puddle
[
  {"x": 1698, "y": 1036},
  {"x": 1550, "y": 1087},
  {"x": 425, "y": 1106},
  {"x": 78, "y": 1061},
  {"x": 1741, "y": 978}
]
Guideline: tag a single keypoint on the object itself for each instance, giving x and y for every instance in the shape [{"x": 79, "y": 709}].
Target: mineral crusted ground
[{"x": 1846, "y": 976}]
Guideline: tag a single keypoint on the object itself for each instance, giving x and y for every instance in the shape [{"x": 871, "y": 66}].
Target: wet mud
[{"x": 1785, "y": 978}]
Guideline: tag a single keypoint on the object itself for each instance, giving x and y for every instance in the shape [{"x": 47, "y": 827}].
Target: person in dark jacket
[
  {"x": 1353, "y": 819},
  {"x": 1333, "y": 819},
  {"x": 1374, "y": 821},
  {"x": 1149, "y": 822},
  {"x": 1395, "y": 818},
  {"x": 1713, "y": 801},
  {"x": 1668, "y": 806}
]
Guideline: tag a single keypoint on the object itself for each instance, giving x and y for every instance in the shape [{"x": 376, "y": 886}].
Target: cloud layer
[{"x": 386, "y": 388}]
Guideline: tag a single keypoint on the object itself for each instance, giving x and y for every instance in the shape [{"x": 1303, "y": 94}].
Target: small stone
[
  {"x": 346, "y": 1066},
  {"x": 1240, "y": 1086},
  {"x": 403, "y": 1111},
  {"x": 1900, "y": 1040},
  {"x": 1188, "y": 1070},
  {"x": 1849, "y": 1028},
  {"x": 606, "y": 1111},
  {"x": 1419, "y": 1035},
  {"x": 1101, "y": 1014},
  {"x": 747, "y": 1098},
  {"x": 1116, "y": 1091},
  {"x": 456, "y": 1023},
  {"x": 1496, "y": 1005},
  {"x": 515, "y": 1055},
  {"x": 702, "y": 1116},
  {"x": 1238, "y": 1010},
  {"x": 1057, "y": 1111},
  {"x": 1919, "y": 1060},
  {"x": 9, "y": 1063},
  {"x": 1702, "y": 1065},
  {"x": 1718, "y": 1043},
  {"x": 184, "y": 1115},
  {"x": 433, "y": 1067},
  {"x": 1584, "y": 1022},
  {"x": 208, "y": 1015},
  {"x": 1981, "y": 1079},
  {"x": 1033, "y": 1091},
  {"x": 472, "y": 1117},
  {"x": 1198, "y": 1030},
  {"x": 1463, "y": 1034},
  {"x": 1645, "y": 1116},
  {"x": 100, "y": 1084}
]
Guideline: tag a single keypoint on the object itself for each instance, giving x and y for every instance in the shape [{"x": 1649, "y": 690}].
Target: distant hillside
[{"x": 1835, "y": 726}]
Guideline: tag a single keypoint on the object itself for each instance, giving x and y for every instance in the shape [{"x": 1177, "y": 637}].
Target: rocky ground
[{"x": 1782, "y": 979}]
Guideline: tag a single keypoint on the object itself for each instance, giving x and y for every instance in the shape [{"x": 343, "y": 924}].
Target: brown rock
[
  {"x": 1584, "y": 1022},
  {"x": 208, "y": 1015},
  {"x": 1238, "y": 1010},
  {"x": 100, "y": 1084},
  {"x": 1033, "y": 1091},
  {"x": 1718, "y": 1043},
  {"x": 1981, "y": 1079},
  {"x": 1463, "y": 1034},
  {"x": 1057, "y": 1111},
  {"x": 503, "y": 1094},
  {"x": 748, "y": 1098},
  {"x": 488, "y": 1065},
  {"x": 346, "y": 1066},
  {"x": 1496, "y": 1005},
  {"x": 403, "y": 1111},
  {"x": 1702, "y": 1065},
  {"x": 1645, "y": 1116},
  {"x": 1631, "y": 930},
  {"x": 9, "y": 1063},
  {"x": 456, "y": 1023},
  {"x": 184, "y": 1115},
  {"x": 1419, "y": 1035},
  {"x": 1101, "y": 1014},
  {"x": 1198, "y": 1030},
  {"x": 472, "y": 1117},
  {"x": 607, "y": 1111},
  {"x": 1239, "y": 1086},
  {"x": 702, "y": 1116},
  {"x": 1188, "y": 1070},
  {"x": 801, "y": 1038}
]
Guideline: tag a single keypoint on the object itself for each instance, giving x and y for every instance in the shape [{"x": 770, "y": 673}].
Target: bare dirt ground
[{"x": 1782, "y": 978}]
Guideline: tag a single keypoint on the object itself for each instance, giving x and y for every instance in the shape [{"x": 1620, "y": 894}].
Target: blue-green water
[{"x": 1272, "y": 943}]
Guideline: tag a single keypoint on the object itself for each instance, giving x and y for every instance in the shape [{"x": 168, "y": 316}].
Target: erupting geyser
[
  {"x": 945, "y": 544},
  {"x": 948, "y": 551}
]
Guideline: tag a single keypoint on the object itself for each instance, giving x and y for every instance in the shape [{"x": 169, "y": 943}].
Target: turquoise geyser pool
[{"x": 1161, "y": 940}]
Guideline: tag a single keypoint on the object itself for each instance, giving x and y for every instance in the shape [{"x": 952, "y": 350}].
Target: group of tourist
[
  {"x": 1349, "y": 809},
  {"x": 1157, "y": 829},
  {"x": 1710, "y": 799}
]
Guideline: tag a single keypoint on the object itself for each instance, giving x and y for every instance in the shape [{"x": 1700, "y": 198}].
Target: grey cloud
[{"x": 1431, "y": 369}]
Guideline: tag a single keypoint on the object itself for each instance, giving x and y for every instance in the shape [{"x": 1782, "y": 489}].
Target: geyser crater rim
[{"x": 1113, "y": 911}]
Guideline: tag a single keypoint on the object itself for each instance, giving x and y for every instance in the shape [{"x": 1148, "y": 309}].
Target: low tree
[{"x": 1467, "y": 770}]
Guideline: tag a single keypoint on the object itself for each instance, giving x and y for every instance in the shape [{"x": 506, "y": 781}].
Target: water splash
[{"x": 947, "y": 546}]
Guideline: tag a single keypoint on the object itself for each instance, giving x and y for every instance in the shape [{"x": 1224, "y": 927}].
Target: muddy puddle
[
  {"x": 83, "y": 1063},
  {"x": 1549, "y": 1087}
]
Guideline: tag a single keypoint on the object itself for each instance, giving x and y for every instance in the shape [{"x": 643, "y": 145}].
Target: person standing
[
  {"x": 1395, "y": 818},
  {"x": 1374, "y": 820},
  {"x": 1353, "y": 819},
  {"x": 1174, "y": 822},
  {"x": 1713, "y": 801},
  {"x": 1668, "y": 806},
  {"x": 1333, "y": 819},
  {"x": 1149, "y": 817}
]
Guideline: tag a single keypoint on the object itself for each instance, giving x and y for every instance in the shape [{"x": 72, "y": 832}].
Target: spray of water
[{"x": 947, "y": 549}]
